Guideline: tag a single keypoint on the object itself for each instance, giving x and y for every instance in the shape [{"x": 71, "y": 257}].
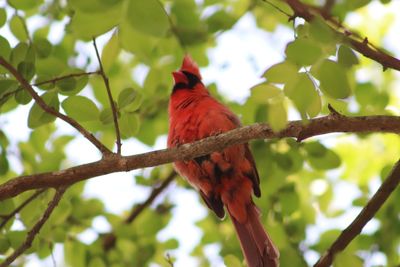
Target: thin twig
[
  {"x": 6, "y": 95},
  {"x": 7, "y": 217},
  {"x": 359, "y": 44},
  {"x": 173, "y": 28},
  {"x": 156, "y": 191},
  {"x": 53, "y": 111},
  {"x": 366, "y": 214},
  {"x": 277, "y": 7},
  {"x": 50, "y": 81},
  {"x": 66, "y": 77},
  {"x": 110, "y": 238},
  {"x": 36, "y": 228},
  {"x": 169, "y": 260},
  {"x": 112, "y": 104}
]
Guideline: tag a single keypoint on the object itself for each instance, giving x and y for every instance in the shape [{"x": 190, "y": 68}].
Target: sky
[{"x": 236, "y": 64}]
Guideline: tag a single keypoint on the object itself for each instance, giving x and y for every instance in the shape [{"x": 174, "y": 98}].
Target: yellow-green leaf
[
  {"x": 18, "y": 28},
  {"x": 37, "y": 116},
  {"x": 148, "y": 17},
  {"x": 80, "y": 108},
  {"x": 110, "y": 52},
  {"x": 281, "y": 72},
  {"x": 264, "y": 91},
  {"x": 333, "y": 79}
]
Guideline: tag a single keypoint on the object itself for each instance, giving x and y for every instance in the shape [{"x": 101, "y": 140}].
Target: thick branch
[
  {"x": 35, "y": 229},
  {"x": 366, "y": 214},
  {"x": 51, "y": 110},
  {"x": 110, "y": 98},
  {"x": 115, "y": 163},
  {"x": 362, "y": 46}
]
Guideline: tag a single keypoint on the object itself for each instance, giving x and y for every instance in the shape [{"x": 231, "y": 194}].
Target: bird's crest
[{"x": 189, "y": 65}]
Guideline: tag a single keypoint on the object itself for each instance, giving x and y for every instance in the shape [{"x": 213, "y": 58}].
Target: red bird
[{"x": 224, "y": 178}]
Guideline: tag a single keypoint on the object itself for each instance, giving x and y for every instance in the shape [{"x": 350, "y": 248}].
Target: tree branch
[
  {"x": 366, "y": 214},
  {"x": 7, "y": 217},
  {"x": 66, "y": 77},
  {"x": 35, "y": 229},
  {"x": 50, "y": 81},
  {"x": 110, "y": 238},
  {"x": 112, "y": 104},
  {"x": 116, "y": 163},
  {"x": 51, "y": 110},
  {"x": 360, "y": 44},
  {"x": 156, "y": 191}
]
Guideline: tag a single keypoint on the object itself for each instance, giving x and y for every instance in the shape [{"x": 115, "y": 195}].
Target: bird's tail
[{"x": 257, "y": 246}]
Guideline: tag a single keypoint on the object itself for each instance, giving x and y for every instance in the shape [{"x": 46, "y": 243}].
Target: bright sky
[{"x": 236, "y": 64}]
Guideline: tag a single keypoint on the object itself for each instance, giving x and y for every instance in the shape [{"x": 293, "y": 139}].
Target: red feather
[{"x": 225, "y": 178}]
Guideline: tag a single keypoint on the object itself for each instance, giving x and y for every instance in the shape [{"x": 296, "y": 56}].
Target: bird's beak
[{"x": 179, "y": 77}]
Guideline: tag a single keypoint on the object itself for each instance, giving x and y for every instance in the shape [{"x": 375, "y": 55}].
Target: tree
[{"x": 333, "y": 77}]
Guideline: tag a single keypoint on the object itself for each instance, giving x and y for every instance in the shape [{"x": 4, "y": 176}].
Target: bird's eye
[{"x": 192, "y": 79}]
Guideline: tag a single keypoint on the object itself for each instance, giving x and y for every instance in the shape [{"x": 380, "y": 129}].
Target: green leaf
[
  {"x": 3, "y": 17},
  {"x": 85, "y": 25},
  {"x": 80, "y": 108},
  {"x": 303, "y": 52},
  {"x": 23, "y": 97},
  {"x": 15, "y": 238},
  {"x": 69, "y": 87},
  {"x": 106, "y": 116},
  {"x": 220, "y": 20},
  {"x": 97, "y": 262},
  {"x": 7, "y": 86},
  {"x": 315, "y": 149},
  {"x": 281, "y": 72},
  {"x": 37, "y": 116},
  {"x": 232, "y": 261},
  {"x": 347, "y": 258},
  {"x": 148, "y": 17},
  {"x": 129, "y": 124},
  {"x": 133, "y": 105},
  {"x": 347, "y": 57},
  {"x": 277, "y": 115},
  {"x": 19, "y": 53},
  {"x": 365, "y": 93},
  {"x": 26, "y": 69},
  {"x": 329, "y": 161},
  {"x": 6, "y": 206},
  {"x": 25, "y": 4},
  {"x": 18, "y": 28},
  {"x": 4, "y": 244},
  {"x": 93, "y": 6},
  {"x": 126, "y": 97},
  {"x": 171, "y": 244},
  {"x": 66, "y": 85},
  {"x": 333, "y": 79},
  {"x": 142, "y": 45},
  {"x": 4, "y": 165},
  {"x": 303, "y": 94},
  {"x": 43, "y": 47},
  {"x": 320, "y": 31},
  {"x": 75, "y": 253},
  {"x": 5, "y": 48},
  {"x": 262, "y": 92},
  {"x": 110, "y": 52}
]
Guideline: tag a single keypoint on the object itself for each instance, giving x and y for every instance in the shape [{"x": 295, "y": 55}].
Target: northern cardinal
[{"x": 224, "y": 178}]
